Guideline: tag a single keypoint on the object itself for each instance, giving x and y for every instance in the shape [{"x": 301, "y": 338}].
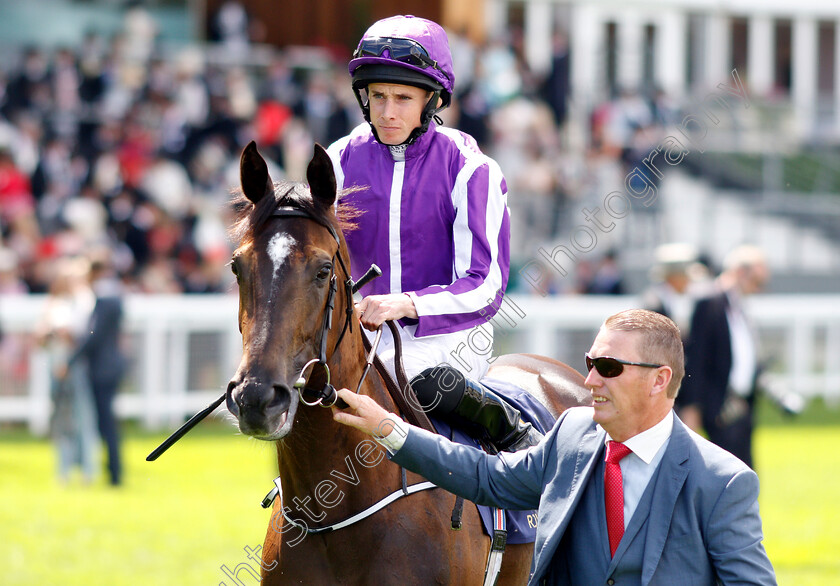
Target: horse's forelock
[{"x": 250, "y": 217}]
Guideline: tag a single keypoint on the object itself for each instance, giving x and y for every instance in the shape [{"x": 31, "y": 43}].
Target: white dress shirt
[
  {"x": 394, "y": 440},
  {"x": 638, "y": 467},
  {"x": 743, "y": 345}
]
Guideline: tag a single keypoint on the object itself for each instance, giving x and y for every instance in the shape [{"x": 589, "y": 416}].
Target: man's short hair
[{"x": 661, "y": 342}]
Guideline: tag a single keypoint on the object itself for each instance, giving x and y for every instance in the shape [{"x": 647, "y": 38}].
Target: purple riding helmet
[{"x": 405, "y": 50}]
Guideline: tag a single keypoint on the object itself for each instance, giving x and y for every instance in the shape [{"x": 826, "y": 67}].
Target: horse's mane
[{"x": 249, "y": 218}]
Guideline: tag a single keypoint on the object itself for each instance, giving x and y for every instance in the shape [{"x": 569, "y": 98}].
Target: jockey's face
[{"x": 395, "y": 110}]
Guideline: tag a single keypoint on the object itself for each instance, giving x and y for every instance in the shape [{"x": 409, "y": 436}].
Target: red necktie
[{"x": 614, "y": 493}]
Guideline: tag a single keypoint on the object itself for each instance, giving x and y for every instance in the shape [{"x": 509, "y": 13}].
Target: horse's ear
[
  {"x": 321, "y": 177},
  {"x": 253, "y": 173}
]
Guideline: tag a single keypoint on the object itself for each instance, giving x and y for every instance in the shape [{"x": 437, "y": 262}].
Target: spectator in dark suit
[
  {"x": 106, "y": 363},
  {"x": 678, "y": 279},
  {"x": 722, "y": 355}
]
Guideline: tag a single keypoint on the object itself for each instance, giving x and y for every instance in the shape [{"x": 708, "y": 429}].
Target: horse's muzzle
[{"x": 263, "y": 410}]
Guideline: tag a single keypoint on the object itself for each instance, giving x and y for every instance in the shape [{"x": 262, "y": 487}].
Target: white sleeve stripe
[
  {"x": 444, "y": 303},
  {"x": 461, "y": 229},
  {"x": 336, "y": 149}
]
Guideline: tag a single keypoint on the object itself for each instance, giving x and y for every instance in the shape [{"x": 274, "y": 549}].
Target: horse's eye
[
  {"x": 234, "y": 269},
  {"x": 324, "y": 273}
]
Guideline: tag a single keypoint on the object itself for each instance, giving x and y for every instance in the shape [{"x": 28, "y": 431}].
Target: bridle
[{"x": 325, "y": 396}]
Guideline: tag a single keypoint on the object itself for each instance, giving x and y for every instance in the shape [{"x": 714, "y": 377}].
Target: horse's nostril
[
  {"x": 230, "y": 401},
  {"x": 280, "y": 396},
  {"x": 255, "y": 396}
]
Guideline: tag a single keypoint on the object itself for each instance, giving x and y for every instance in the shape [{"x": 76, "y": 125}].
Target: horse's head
[{"x": 287, "y": 256}]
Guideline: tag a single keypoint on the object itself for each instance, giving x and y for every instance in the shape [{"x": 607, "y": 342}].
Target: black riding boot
[{"x": 448, "y": 394}]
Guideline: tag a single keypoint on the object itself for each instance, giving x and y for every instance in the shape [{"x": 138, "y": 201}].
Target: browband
[{"x": 293, "y": 212}]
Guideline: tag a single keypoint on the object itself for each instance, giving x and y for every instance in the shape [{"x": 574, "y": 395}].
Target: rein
[{"x": 400, "y": 391}]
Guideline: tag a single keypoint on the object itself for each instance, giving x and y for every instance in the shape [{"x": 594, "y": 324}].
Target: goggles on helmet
[{"x": 406, "y": 51}]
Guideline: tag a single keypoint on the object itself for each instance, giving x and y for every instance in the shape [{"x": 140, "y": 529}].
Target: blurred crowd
[{"x": 126, "y": 144}]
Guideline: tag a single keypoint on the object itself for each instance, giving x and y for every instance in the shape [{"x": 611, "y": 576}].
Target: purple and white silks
[{"x": 438, "y": 226}]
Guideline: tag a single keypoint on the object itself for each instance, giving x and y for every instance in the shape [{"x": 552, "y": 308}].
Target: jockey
[{"x": 434, "y": 218}]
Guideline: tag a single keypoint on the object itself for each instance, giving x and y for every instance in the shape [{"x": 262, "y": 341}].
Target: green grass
[
  {"x": 798, "y": 469},
  {"x": 177, "y": 520},
  {"x": 798, "y": 475}
]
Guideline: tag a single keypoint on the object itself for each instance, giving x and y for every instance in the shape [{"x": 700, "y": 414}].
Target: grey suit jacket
[{"x": 703, "y": 524}]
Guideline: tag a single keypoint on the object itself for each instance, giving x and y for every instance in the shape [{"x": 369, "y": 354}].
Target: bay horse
[{"x": 290, "y": 260}]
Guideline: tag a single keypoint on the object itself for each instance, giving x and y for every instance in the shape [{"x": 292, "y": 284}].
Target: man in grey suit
[{"x": 690, "y": 509}]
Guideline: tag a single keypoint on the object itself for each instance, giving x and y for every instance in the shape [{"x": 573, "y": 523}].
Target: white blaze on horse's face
[{"x": 279, "y": 248}]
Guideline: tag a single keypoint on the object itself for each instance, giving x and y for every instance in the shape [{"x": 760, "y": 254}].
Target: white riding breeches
[{"x": 469, "y": 351}]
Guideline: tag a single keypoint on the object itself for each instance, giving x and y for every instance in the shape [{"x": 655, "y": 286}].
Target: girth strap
[{"x": 403, "y": 491}]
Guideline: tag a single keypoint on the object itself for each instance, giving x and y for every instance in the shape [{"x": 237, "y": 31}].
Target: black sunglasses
[
  {"x": 403, "y": 50},
  {"x": 609, "y": 367}
]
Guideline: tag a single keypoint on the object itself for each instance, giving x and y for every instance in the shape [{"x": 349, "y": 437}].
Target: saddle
[{"x": 521, "y": 525}]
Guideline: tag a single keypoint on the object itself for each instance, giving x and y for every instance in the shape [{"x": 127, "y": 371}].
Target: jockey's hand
[
  {"x": 376, "y": 309},
  {"x": 364, "y": 414}
]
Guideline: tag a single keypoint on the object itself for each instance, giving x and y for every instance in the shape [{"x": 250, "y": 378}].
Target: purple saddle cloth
[{"x": 521, "y": 525}]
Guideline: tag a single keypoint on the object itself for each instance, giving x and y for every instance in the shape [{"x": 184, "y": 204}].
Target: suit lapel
[
  {"x": 671, "y": 476},
  {"x": 555, "y": 525}
]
